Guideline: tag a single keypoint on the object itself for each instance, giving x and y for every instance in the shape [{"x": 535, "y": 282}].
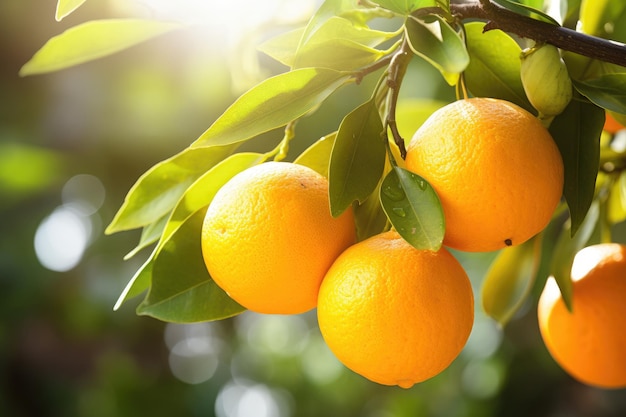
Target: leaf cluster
[{"x": 362, "y": 157}]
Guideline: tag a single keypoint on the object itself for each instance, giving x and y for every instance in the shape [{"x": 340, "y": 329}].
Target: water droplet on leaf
[
  {"x": 394, "y": 193},
  {"x": 399, "y": 211}
]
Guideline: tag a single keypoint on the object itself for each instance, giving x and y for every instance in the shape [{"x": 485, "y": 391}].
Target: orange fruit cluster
[
  {"x": 395, "y": 314},
  {"x": 390, "y": 312}
]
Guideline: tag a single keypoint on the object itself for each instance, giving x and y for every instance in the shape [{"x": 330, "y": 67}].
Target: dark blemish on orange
[{"x": 508, "y": 242}]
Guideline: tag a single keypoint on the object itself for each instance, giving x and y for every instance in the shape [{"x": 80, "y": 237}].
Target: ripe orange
[
  {"x": 611, "y": 124},
  {"x": 495, "y": 168},
  {"x": 590, "y": 342},
  {"x": 268, "y": 237},
  {"x": 394, "y": 314}
]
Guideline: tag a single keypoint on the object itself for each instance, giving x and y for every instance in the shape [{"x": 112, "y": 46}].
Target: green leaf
[
  {"x": 566, "y": 248},
  {"x": 369, "y": 216},
  {"x": 597, "y": 15},
  {"x": 157, "y": 191},
  {"x": 271, "y": 104},
  {"x": 549, "y": 237},
  {"x": 337, "y": 31},
  {"x": 149, "y": 235},
  {"x": 413, "y": 209},
  {"x": 405, "y": 7},
  {"x": 283, "y": 47},
  {"x": 341, "y": 28},
  {"x": 328, "y": 10},
  {"x": 528, "y": 11},
  {"x": 439, "y": 44},
  {"x": 510, "y": 279},
  {"x": 577, "y": 132},
  {"x": 494, "y": 68},
  {"x": 65, "y": 7},
  {"x": 182, "y": 290},
  {"x": 317, "y": 156},
  {"x": 139, "y": 283},
  {"x": 337, "y": 54},
  {"x": 93, "y": 40},
  {"x": 358, "y": 158},
  {"x": 607, "y": 91}
]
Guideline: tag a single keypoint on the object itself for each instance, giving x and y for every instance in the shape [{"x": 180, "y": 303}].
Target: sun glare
[{"x": 233, "y": 18}]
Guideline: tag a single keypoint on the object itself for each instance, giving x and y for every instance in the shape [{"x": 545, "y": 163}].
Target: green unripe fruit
[{"x": 546, "y": 81}]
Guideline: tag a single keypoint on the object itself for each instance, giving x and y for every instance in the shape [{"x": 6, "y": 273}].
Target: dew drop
[
  {"x": 394, "y": 193},
  {"x": 399, "y": 211}
]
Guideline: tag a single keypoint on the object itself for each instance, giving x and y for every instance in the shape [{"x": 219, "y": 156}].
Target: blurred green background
[{"x": 71, "y": 145}]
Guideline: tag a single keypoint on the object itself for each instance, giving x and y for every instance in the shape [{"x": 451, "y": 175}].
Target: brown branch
[
  {"x": 498, "y": 17},
  {"x": 397, "y": 69}
]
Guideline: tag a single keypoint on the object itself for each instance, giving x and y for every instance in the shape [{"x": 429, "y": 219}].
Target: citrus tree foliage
[{"x": 475, "y": 46}]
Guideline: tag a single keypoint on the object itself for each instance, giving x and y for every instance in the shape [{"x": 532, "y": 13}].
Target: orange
[
  {"x": 394, "y": 314},
  {"x": 268, "y": 237},
  {"x": 590, "y": 342},
  {"x": 612, "y": 125},
  {"x": 496, "y": 170}
]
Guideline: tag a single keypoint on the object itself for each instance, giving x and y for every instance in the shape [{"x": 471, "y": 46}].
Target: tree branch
[
  {"x": 498, "y": 17},
  {"x": 397, "y": 69}
]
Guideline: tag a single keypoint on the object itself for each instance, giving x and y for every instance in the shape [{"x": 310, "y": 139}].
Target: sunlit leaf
[
  {"x": 65, "y": 7},
  {"x": 328, "y": 10},
  {"x": 182, "y": 290},
  {"x": 404, "y": 7},
  {"x": 139, "y": 283},
  {"x": 337, "y": 54},
  {"x": 317, "y": 156},
  {"x": 357, "y": 40},
  {"x": 607, "y": 91},
  {"x": 413, "y": 209},
  {"x": 509, "y": 280},
  {"x": 438, "y": 43},
  {"x": 271, "y": 104},
  {"x": 358, "y": 158},
  {"x": 577, "y": 132},
  {"x": 92, "y": 40},
  {"x": 597, "y": 15},
  {"x": 149, "y": 235},
  {"x": 341, "y": 28},
  {"x": 157, "y": 191},
  {"x": 494, "y": 68},
  {"x": 526, "y": 10},
  {"x": 567, "y": 247},
  {"x": 283, "y": 47}
]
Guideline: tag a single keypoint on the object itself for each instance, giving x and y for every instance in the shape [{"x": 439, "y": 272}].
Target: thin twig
[
  {"x": 498, "y": 17},
  {"x": 397, "y": 69}
]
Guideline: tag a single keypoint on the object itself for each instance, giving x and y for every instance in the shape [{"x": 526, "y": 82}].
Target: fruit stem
[
  {"x": 282, "y": 149},
  {"x": 397, "y": 69}
]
